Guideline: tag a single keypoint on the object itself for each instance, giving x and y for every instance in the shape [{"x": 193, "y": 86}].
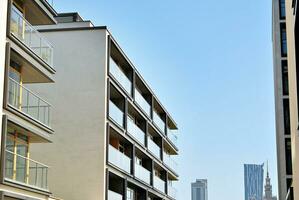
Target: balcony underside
[
  {"x": 39, "y": 12},
  {"x": 33, "y": 71},
  {"x": 36, "y": 134}
]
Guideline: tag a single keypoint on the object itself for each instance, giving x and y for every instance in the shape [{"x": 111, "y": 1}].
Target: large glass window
[
  {"x": 16, "y": 156},
  {"x": 286, "y": 116},
  {"x": 283, "y": 35},
  {"x": 288, "y": 154},
  {"x": 282, "y": 9},
  {"x": 285, "y": 79}
]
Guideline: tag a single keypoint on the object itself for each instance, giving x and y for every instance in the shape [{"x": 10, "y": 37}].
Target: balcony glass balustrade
[
  {"x": 159, "y": 184},
  {"x": 116, "y": 114},
  {"x": 24, "y": 31},
  {"x": 154, "y": 148},
  {"x": 142, "y": 173},
  {"x": 28, "y": 103},
  {"x": 114, "y": 196},
  {"x": 170, "y": 162},
  {"x": 119, "y": 75},
  {"x": 119, "y": 159},
  {"x": 135, "y": 131},
  {"x": 173, "y": 136},
  {"x": 142, "y": 102},
  {"x": 26, "y": 171},
  {"x": 172, "y": 191},
  {"x": 159, "y": 122}
]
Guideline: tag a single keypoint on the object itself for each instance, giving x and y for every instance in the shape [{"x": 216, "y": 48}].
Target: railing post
[
  {"x": 35, "y": 183},
  {"x": 27, "y": 105},
  {"x": 40, "y": 47},
  {"x": 38, "y": 103},
  {"x": 46, "y": 186},
  {"x": 42, "y": 178},
  {"x": 49, "y": 115}
]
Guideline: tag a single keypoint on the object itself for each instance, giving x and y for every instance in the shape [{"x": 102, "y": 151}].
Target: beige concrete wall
[
  {"x": 293, "y": 96},
  {"x": 77, "y": 155}
]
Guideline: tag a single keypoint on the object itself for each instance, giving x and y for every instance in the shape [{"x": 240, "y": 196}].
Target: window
[
  {"x": 138, "y": 161},
  {"x": 283, "y": 35},
  {"x": 130, "y": 194},
  {"x": 286, "y": 116},
  {"x": 285, "y": 78},
  {"x": 282, "y": 9},
  {"x": 16, "y": 156},
  {"x": 288, "y": 154}
]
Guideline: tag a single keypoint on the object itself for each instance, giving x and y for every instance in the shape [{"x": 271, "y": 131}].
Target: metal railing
[
  {"x": 159, "y": 184},
  {"x": 142, "y": 102},
  {"x": 116, "y": 114},
  {"x": 28, "y": 35},
  {"x": 120, "y": 76},
  {"x": 135, "y": 131},
  {"x": 114, "y": 195},
  {"x": 173, "y": 136},
  {"x": 172, "y": 191},
  {"x": 26, "y": 171},
  {"x": 170, "y": 162},
  {"x": 119, "y": 159},
  {"x": 159, "y": 122},
  {"x": 142, "y": 173},
  {"x": 154, "y": 148},
  {"x": 28, "y": 102}
]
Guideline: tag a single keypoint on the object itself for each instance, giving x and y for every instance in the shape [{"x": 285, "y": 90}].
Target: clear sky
[{"x": 210, "y": 62}]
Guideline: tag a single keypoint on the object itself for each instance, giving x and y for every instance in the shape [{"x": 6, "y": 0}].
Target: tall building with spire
[{"x": 268, "y": 188}]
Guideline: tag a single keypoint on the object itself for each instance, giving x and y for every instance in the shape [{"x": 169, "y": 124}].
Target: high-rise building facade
[
  {"x": 199, "y": 189},
  {"x": 253, "y": 181},
  {"x": 26, "y": 58},
  {"x": 285, "y": 31},
  {"x": 113, "y": 138}
]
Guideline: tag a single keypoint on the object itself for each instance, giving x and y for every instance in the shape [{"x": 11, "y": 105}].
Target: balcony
[
  {"x": 145, "y": 106},
  {"x": 26, "y": 171},
  {"x": 169, "y": 161},
  {"x": 172, "y": 192},
  {"x": 116, "y": 114},
  {"x": 159, "y": 184},
  {"x": 119, "y": 159},
  {"x": 114, "y": 196},
  {"x": 28, "y": 103},
  {"x": 154, "y": 148},
  {"x": 172, "y": 136},
  {"x": 119, "y": 75},
  {"x": 135, "y": 131},
  {"x": 142, "y": 174},
  {"x": 30, "y": 37},
  {"x": 159, "y": 122}
]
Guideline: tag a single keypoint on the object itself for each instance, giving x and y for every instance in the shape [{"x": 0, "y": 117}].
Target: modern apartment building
[
  {"x": 26, "y": 59},
  {"x": 199, "y": 189},
  {"x": 286, "y": 95},
  {"x": 253, "y": 181},
  {"x": 113, "y": 138},
  {"x": 282, "y": 108}
]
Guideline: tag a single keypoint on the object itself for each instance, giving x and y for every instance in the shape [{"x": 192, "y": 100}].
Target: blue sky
[{"x": 210, "y": 62}]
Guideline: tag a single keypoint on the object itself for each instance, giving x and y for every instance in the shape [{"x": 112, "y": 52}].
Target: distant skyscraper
[
  {"x": 268, "y": 188},
  {"x": 199, "y": 189},
  {"x": 253, "y": 179}
]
